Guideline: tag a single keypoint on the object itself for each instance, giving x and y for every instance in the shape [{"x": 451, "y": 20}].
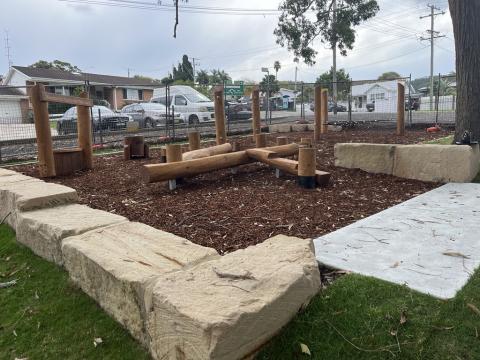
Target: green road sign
[{"x": 234, "y": 90}]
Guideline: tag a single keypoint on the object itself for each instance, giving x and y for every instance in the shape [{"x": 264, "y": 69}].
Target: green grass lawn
[{"x": 45, "y": 317}]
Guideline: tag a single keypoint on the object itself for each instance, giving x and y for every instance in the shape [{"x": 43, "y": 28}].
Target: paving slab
[
  {"x": 226, "y": 309},
  {"x": 118, "y": 264},
  {"x": 44, "y": 230},
  {"x": 25, "y": 194},
  {"x": 429, "y": 243}
]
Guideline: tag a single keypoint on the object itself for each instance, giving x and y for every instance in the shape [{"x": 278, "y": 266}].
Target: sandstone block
[
  {"x": 27, "y": 193},
  {"x": 229, "y": 307},
  {"x": 437, "y": 163},
  {"x": 44, "y": 230},
  {"x": 117, "y": 265},
  {"x": 299, "y": 127},
  {"x": 373, "y": 158},
  {"x": 6, "y": 172}
]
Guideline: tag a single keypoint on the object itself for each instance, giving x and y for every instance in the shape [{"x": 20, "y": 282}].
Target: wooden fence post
[
  {"x": 84, "y": 129},
  {"x": 261, "y": 140},
  {"x": 282, "y": 140},
  {"x": 256, "y": 111},
  {"x": 46, "y": 162},
  {"x": 324, "y": 113},
  {"x": 174, "y": 154},
  {"x": 194, "y": 140},
  {"x": 318, "y": 113},
  {"x": 400, "y": 109},
  {"x": 220, "y": 117}
]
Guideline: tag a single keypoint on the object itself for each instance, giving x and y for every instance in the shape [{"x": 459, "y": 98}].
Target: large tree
[
  {"x": 184, "y": 70},
  {"x": 343, "y": 82},
  {"x": 203, "y": 78},
  {"x": 56, "y": 64},
  {"x": 389, "y": 75},
  {"x": 466, "y": 27},
  {"x": 298, "y": 27},
  {"x": 218, "y": 77},
  {"x": 269, "y": 83},
  {"x": 277, "y": 66}
]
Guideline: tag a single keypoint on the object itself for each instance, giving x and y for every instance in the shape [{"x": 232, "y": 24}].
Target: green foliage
[
  {"x": 167, "y": 80},
  {"x": 269, "y": 83},
  {"x": 277, "y": 66},
  {"x": 56, "y": 64},
  {"x": 343, "y": 82},
  {"x": 45, "y": 317},
  {"x": 147, "y": 78},
  {"x": 389, "y": 75},
  {"x": 218, "y": 77},
  {"x": 184, "y": 70},
  {"x": 203, "y": 78},
  {"x": 297, "y": 28}
]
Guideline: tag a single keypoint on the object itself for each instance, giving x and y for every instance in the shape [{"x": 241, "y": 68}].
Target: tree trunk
[{"x": 466, "y": 27}]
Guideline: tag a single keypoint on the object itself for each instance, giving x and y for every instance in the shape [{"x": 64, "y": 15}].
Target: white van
[{"x": 193, "y": 105}]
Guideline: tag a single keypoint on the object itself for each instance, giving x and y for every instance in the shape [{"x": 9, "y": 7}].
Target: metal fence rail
[{"x": 168, "y": 113}]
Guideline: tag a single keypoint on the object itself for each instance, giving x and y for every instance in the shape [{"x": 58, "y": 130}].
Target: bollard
[
  {"x": 174, "y": 154},
  {"x": 318, "y": 113},
  {"x": 306, "y": 168},
  {"x": 261, "y": 140},
  {"x": 194, "y": 140},
  {"x": 282, "y": 140}
]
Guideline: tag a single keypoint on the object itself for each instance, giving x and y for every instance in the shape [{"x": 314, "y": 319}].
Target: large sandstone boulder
[
  {"x": 373, "y": 158},
  {"x": 229, "y": 307},
  {"x": 43, "y": 230},
  {"x": 117, "y": 266},
  {"x": 437, "y": 163},
  {"x": 6, "y": 172},
  {"x": 23, "y": 193}
]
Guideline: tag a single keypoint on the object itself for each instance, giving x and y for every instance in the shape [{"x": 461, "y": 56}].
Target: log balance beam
[{"x": 271, "y": 156}]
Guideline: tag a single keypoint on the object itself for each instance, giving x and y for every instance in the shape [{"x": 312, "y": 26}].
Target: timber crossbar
[{"x": 63, "y": 99}]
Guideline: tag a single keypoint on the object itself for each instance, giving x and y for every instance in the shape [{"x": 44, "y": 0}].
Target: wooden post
[
  {"x": 256, "y": 111},
  {"x": 306, "y": 141},
  {"x": 261, "y": 140},
  {"x": 324, "y": 111},
  {"x": 194, "y": 140},
  {"x": 134, "y": 147},
  {"x": 174, "y": 153},
  {"x": 282, "y": 140},
  {"x": 84, "y": 126},
  {"x": 46, "y": 162},
  {"x": 306, "y": 167},
  {"x": 220, "y": 117},
  {"x": 400, "y": 109},
  {"x": 317, "y": 130}
]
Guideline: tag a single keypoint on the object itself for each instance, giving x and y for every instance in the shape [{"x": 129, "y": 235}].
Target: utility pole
[
  {"x": 433, "y": 35},
  {"x": 334, "y": 49},
  {"x": 7, "y": 50},
  {"x": 128, "y": 72},
  {"x": 194, "y": 64}
]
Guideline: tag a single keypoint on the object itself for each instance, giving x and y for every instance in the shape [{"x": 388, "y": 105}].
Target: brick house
[{"x": 118, "y": 91}]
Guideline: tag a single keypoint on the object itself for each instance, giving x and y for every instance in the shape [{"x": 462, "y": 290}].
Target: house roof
[
  {"x": 9, "y": 91},
  {"x": 59, "y": 75},
  {"x": 390, "y": 85}
]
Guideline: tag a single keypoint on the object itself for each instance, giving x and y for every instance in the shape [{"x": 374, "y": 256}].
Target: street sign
[{"x": 234, "y": 90}]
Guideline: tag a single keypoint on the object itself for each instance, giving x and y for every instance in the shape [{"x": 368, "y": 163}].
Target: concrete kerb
[{"x": 434, "y": 163}]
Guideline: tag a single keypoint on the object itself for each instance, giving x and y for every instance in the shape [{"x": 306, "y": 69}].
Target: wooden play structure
[
  {"x": 177, "y": 165},
  {"x": 134, "y": 147},
  {"x": 61, "y": 161}
]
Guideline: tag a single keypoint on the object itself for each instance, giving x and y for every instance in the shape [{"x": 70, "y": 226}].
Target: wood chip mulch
[{"x": 232, "y": 211}]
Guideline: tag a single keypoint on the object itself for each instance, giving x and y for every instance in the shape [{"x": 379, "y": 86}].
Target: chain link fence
[{"x": 167, "y": 113}]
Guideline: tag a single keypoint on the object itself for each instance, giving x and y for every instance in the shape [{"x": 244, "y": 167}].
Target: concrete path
[{"x": 430, "y": 243}]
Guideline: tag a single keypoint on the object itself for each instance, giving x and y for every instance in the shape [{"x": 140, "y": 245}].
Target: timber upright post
[
  {"x": 306, "y": 167},
  {"x": 220, "y": 116},
  {"x": 324, "y": 111},
  {"x": 317, "y": 130},
  {"x": 261, "y": 140},
  {"x": 400, "y": 109},
  {"x": 282, "y": 140},
  {"x": 46, "y": 162},
  {"x": 193, "y": 140},
  {"x": 84, "y": 128},
  {"x": 174, "y": 154},
  {"x": 256, "y": 112}
]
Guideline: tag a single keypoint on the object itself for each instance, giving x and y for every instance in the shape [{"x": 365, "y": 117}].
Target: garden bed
[{"x": 231, "y": 211}]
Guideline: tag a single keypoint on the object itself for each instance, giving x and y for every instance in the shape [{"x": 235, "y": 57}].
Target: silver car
[{"x": 149, "y": 115}]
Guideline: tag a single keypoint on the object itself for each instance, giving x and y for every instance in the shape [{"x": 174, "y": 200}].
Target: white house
[{"x": 382, "y": 93}]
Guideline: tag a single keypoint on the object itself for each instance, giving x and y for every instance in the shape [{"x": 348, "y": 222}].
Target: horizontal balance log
[{"x": 206, "y": 152}]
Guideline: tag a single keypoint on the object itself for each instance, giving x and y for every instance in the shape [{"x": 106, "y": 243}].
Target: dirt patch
[{"x": 231, "y": 211}]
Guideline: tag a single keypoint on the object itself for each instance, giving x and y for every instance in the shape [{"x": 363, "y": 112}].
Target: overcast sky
[{"x": 109, "y": 40}]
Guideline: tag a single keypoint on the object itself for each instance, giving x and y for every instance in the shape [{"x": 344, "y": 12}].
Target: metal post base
[
  {"x": 307, "y": 182},
  {"x": 172, "y": 184},
  {"x": 278, "y": 173}
]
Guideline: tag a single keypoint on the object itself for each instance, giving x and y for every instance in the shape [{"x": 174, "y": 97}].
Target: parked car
[
  {"x": 237, "y": 111},
  {"x": 331, "y": 106},
  {"x": 150, "y": 115},
  {"x": 370, "y": 107},
  {"x": 413, "y": 104},
  {"x": 102, "y": 118},
  {"x": 191, "y": 104}
]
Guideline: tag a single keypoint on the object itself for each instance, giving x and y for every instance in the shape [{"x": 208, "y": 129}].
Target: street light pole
[{"x": 266, "y": 70}]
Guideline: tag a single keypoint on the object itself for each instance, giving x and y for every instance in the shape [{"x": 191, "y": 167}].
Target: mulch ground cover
[{"x": 229, "y": 211}]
